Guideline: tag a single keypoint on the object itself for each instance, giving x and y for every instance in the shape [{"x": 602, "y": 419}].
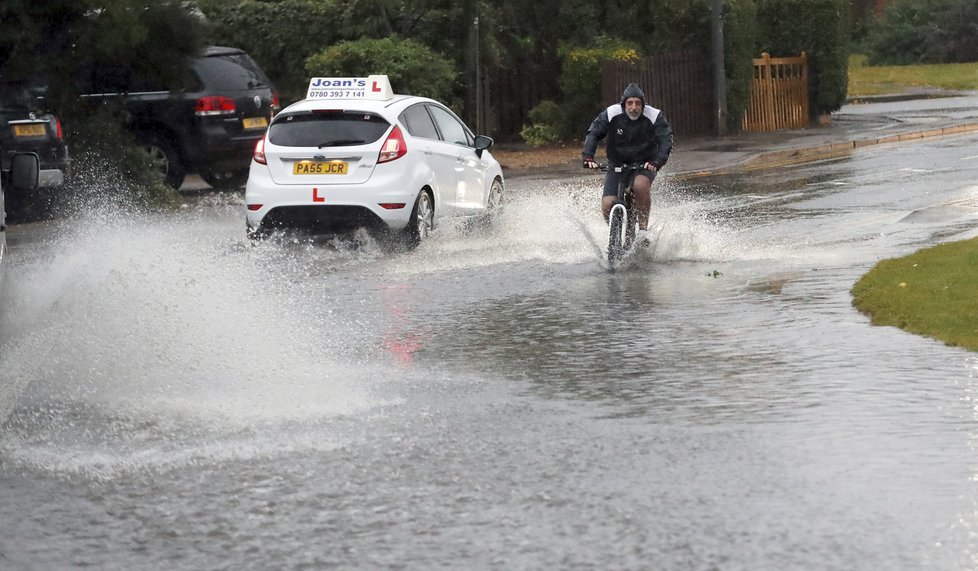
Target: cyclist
[{"x": 638, "y": 133}]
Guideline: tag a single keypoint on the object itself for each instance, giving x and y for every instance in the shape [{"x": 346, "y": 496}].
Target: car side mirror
[
  {"x": 25, "y": 170},
  {"x": 482, "y": 143}
]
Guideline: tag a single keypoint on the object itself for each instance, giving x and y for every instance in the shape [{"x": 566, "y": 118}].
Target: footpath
[{"x": 894, "y": 119}]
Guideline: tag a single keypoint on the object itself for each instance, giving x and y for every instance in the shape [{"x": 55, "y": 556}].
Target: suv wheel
[
  {"x": 225, "y": 180},
  {"x": 163, "y": 156}
]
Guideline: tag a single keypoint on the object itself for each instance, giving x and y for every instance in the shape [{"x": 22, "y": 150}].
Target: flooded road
[{"x": 173, "y": 397}]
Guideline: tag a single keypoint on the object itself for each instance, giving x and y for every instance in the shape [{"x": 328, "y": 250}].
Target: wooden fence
[
  {"x": 508, "y": 94},
  {"x": 779, "y": 94},
  {"x": 678, "y": 83}
]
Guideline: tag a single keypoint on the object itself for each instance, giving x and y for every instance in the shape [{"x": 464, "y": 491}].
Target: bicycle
[{"x": 622, "y": 219}]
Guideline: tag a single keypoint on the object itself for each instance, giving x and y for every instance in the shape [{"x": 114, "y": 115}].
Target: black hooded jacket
[{"x": 646, "y": 139}]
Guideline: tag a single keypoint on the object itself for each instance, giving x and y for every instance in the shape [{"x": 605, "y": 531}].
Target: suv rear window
[
  {"x": 326, "y": 129},
  {"x": 230, "y": 72}
]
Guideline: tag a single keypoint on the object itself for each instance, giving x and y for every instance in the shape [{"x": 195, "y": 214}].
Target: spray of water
[
  {"x": 185, "y": 341},
  {"x": 168, "y": 320}
]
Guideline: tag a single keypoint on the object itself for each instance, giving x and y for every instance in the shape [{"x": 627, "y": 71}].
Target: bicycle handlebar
[{"x": 604, "y": 167}]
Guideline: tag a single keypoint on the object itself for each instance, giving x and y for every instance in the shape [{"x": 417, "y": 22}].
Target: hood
[{"x": 632, "y": 91}]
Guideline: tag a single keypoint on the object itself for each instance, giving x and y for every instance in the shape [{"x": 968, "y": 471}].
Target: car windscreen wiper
[{"x": 341, "y": 142}]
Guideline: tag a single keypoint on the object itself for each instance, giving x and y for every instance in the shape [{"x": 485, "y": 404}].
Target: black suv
[
  {"x": 26, "y": 128},
  {"x": 208, "y": 125}
]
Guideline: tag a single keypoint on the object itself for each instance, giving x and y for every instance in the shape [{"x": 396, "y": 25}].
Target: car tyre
[
  {"x": 494, "y": 202},
  {"x": 257, "y": 235},
  {"x": 230, "y": 180},
  {"x": 422, "y": 220},
  {"x": 163, "y": 155}
]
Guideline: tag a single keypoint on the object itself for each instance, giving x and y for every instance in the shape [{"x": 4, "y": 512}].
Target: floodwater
[{"x": 171, "y": 397}]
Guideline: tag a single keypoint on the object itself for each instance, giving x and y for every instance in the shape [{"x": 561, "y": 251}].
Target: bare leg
[
  {"x": 606, "y": 203},
  {"x": 641, "y": 188}
]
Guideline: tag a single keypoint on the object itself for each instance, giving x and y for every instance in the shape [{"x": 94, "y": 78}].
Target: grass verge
[
  {"x": 867, "y": 80},
  {"x": 930, "y": 292}
]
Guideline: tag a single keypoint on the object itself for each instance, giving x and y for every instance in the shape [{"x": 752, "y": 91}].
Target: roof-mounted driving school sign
[{"x": 370, "y": 87}]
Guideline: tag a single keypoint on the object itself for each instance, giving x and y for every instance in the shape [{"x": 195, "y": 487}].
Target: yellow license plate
[
  {"x": 255, "y": 122},
  {"x": 320, "y": 167},
  {"x": 30, "y": 130}
]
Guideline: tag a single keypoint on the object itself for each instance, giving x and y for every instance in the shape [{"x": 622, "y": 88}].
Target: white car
[{"x": 354, "y": 154}]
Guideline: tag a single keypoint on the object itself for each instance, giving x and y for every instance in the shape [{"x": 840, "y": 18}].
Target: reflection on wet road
[{"x": 173, "y": 397}]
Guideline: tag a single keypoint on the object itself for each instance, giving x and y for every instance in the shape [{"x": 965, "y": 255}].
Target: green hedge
[
  {"x": 821, "y": 29},
  {"x": 279, "y": 35},
  {"x": 924, "y": 31},
  {"x": 580, "y": 82},
  {"x": 739, "y": 39},
  {"x": 412, "y": 68}
]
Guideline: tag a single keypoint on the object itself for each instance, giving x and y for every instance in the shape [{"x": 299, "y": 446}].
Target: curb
[
  {"x": 911, "y": 96},
  {"x": 806, "y": 154}
]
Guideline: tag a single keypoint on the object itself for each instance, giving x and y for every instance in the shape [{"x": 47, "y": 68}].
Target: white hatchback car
[{"x": 354, "y": 154}]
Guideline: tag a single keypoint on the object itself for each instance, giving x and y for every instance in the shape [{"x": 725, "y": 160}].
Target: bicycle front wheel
[{"x": 616, "y": 227}]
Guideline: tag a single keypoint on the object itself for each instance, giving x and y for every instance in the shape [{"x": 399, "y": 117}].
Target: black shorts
[{"x": 611, "y": 180}]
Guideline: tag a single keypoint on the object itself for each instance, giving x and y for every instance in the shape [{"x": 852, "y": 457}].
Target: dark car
[
  {"x": 207, "y": 125},
  {"x": 21, "y": 176},
  {"x": 25, "y": 127}
]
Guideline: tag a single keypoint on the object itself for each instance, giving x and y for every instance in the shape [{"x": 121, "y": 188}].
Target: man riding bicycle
[{"x": 638, "y": 133}]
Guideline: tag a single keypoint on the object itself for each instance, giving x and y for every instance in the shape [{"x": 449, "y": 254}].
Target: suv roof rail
[{"x": 221, "y": 50}]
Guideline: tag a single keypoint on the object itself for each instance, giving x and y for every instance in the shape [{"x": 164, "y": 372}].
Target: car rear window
[
  {"x": 15, "y": 97},
  {"x": 230, "y": 72},
  {"x": 326, "y": 129}
]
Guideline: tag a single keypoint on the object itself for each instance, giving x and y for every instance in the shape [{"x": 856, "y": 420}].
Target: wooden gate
[{"x": 779, "y": 94}]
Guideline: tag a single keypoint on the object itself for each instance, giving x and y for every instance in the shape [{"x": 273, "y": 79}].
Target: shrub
[
  {"x": 413, "y": 68},
  {"x": 821, "y": 29},
  {"x": 925, "y": 31},
  {"x": 739, "y": 38},
  {"x": 279, "y": 35},
  {"x": 580, "y": 82},
  {"x": 900, "y": 37},
  {"x": 544, "y": 127},
  {"x": 109, "y": 166}
]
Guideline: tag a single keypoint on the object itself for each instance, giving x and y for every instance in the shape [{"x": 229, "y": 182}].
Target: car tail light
[
  {"x": 276, "y": 103},
  {"x": 393, "y": 205},
  {"x": 57, "y": 128},
  {"x": 255, "y": 207},
  {"x": 394, "y": 147},
  {"x": 259, "y": 154},
  {"x": 215, "y": 105}
]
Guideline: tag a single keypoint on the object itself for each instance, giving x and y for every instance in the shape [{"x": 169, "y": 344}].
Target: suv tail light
[
  {"x": 215, "y": 105},
  {"x": 259, "y": 154},
  {"x": 57, "y": 128},
  {"x": 394, "y": 147},
  {"x": 276, "y": 103}
]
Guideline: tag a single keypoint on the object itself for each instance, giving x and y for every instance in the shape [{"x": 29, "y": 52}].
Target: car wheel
[
  {"x": 163, "y": 156},
  {"x": 229, "y": 180},
  {"x": 494, "y": 202},
  {"x": 257, "y": 234},
  {"x": 422, "y": 220}
]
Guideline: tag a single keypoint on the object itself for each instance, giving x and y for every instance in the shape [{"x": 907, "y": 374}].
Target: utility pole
[
  {"x": 719, "y": 71},
  {"x": 478, "y": 77}
]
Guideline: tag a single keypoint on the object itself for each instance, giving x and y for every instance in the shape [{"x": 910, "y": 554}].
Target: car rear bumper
[{"x": 328, "y": 206}]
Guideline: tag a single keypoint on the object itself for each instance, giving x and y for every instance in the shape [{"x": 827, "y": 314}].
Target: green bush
[
  {"x": 925, "y": 31},
  {"x": 739, "y": 38},
  {"x": 109, "y": 166},
  {"x": 544, "y": 127},
  {"x": 580, "y": 82},
  {"x": 279, "y": 35},
  {"x": 413, "y": 69},
  {"x": 821, "y": 29}
]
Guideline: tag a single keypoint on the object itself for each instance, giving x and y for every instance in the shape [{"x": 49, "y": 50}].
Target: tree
[
  {"x": 413, "y": 68},
  {"x": 53, "y": 39},
  {"x": 821, "y": 29}
]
